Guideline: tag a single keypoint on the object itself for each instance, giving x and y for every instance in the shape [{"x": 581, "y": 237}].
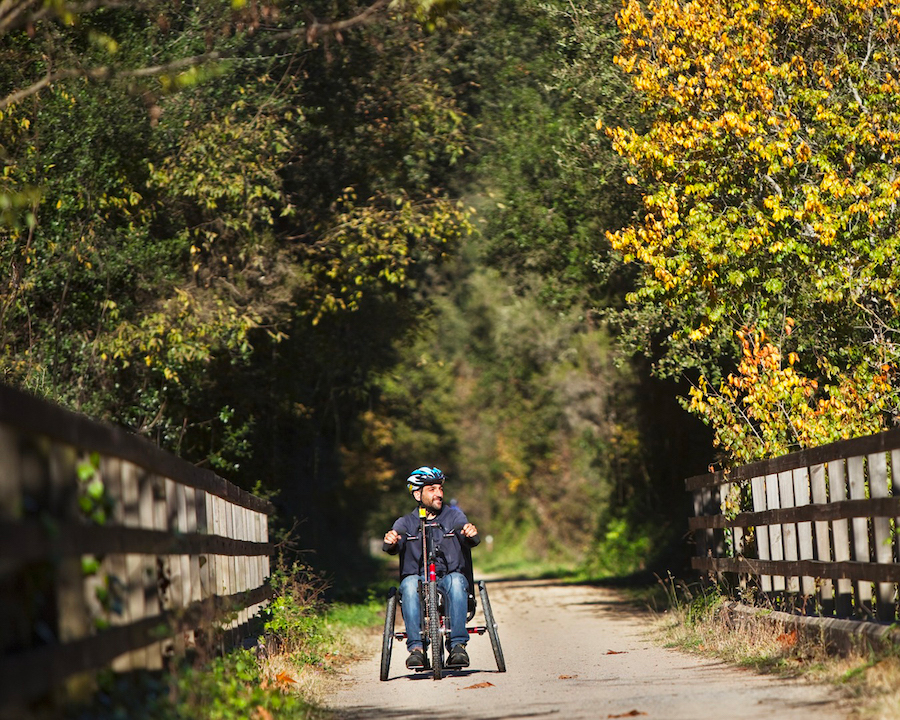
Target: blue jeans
[{"x": 454, "y": 588}]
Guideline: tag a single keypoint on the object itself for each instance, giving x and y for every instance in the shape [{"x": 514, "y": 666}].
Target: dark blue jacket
[{"x": 449, "y": 557}]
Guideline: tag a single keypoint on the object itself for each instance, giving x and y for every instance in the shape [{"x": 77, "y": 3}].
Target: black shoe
[
  {"x": 458, "y": 657},
  {"x": 416, "y": 659}
]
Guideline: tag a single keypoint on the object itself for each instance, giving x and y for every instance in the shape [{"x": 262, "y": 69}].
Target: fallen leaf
[
  {"x": 630, "y": 713},
  {"x": 616, "y": 652},
  {"x": 567, "y": 677},
  {"x": 285, "y": 678},
  {"x": 479, "y": 685},
  {"x": 788, "y": 639}
]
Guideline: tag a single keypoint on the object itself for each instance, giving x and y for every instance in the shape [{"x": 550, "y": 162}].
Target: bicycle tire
[
  {"x": 435, "y": 641},
  {"x": 491, "y": 627},
  {"x": 387, "y": 641}
]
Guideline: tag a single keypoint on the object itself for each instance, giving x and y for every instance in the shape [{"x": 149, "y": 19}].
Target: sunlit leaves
[
  {"x": 769, "y": 407},
  {"x": 185, "y": 332},
  {"x": 372, "y": 246},
  {"x": 770, "y": 176}
]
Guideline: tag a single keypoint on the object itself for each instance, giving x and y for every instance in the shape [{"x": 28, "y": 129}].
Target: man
[{"x": 426, "y": 485}]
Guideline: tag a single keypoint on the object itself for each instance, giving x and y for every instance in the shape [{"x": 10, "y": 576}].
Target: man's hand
[
  {"x": 391, "y": 537},
  {"x": 469, "y": 530}
]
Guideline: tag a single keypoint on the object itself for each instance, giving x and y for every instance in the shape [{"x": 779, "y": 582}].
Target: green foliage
[
  {"x": 227, "y": 688},
  {"x": 294, "y": 617},
  {"x": 515, "y": 387},
  {"x": 93, "y": 501},
  {"x": 262, "y": 262},
  {"x": 620, "y": 550},
  {"x": 188, "y": 221}
]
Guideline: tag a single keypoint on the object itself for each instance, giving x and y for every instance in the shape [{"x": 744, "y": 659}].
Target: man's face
[{"x": 433, "y": 497}]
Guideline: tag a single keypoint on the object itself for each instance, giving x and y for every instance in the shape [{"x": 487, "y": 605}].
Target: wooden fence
[
  {"x": 112, "y": 551},
  {"x": 815, "y": 530}
]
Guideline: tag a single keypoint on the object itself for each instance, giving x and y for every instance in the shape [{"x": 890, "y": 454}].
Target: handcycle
[{"x": 434, "y": 624}]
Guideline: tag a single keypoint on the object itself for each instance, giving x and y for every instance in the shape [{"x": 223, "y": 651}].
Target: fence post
[
  {"x": 881, "y": 535},
  {"x": 804, "y": 533},
  {"x": 823, "y": 541},
  {"x": 895, "y": 489},
  {"x": 758, "y": 492},
  {"x": 856, "y": 475},
  {"x": 205, "y": 562},
  {"x": 115, "y": 568},
  {"x": 135, "y": 565},
  {"x": 73, "y": 617},
  {"x": 776, "y": 541},
  {"x": 843, "y": 602},
  {"x": 152, "y": 565},
  {"x": 173, "y": 598},
  {"x": 193, "y": 589},
  {"x": 15, "y": 629},
  {"x": 789, "y": 530},
  {"x": 700, "y": 535},
  {"x": 240, "y": 532}
]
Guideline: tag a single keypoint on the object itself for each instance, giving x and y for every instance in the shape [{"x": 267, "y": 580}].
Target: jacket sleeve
[
  {"x": 469, "y": 541},
  {"x": 401, "y": 530}
]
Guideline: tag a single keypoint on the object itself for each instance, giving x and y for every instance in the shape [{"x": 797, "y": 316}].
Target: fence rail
[
  {"x": 112, "y": 551},
  {"x": 822, "y": 532}
]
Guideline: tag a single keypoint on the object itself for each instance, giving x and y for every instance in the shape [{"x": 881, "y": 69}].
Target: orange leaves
[
  {"x": 769, "y": 407},
  {"x": 787, "y": 640}
]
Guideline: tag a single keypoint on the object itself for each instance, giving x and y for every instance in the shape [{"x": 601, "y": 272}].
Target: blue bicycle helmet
[{"x": 424, "y": 476}]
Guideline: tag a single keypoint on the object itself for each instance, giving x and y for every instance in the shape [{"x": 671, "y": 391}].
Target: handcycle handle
[{"x": 470, "y": 541}]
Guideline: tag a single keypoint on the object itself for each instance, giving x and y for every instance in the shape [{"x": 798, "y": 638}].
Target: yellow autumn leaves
[{"x": 771, "y": 171}]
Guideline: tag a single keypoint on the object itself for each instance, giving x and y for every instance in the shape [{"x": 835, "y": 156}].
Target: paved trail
[{"x": 574, "y": 652}]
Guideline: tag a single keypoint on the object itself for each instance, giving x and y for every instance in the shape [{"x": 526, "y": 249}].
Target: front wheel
[
  {"x": 435, "y": 642},
  {"x": 491, "y": 627},
  {"x": 388, "y": 639}
]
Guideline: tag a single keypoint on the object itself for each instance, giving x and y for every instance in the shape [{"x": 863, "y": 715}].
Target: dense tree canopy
[
  {"x": 770, "y": 217},
  {"x": 151, "y": 232},
  {"x": 315, "y": 244}
]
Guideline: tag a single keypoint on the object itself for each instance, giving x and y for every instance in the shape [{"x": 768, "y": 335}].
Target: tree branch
[
  {"x": 14, "y": 15},
  {"x": 313, "y": 29}
]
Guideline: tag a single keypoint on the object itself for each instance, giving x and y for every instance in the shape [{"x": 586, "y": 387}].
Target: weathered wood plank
[
  {"x": 842, "y": 510},
  {"x": 856, "y": 481},
  {"x": 758, "y": 490},
  {"x": 840, "y": 533},
  {"x": 850, "y": 570},
  {"x": 114, "y": 565},
  {"x": 134, "y": 563},
  {"x": 788, "y": 530},
  {"x": 819, "y": 492},
  {"x": 15, "y": 630},
  {"x": 31, "y": 540},
  {"x": 174, "y": 597},
  {"x": 776, "y": 540},
  {"x": 700, "y": 538},
  {"x": 881, "y": 442},
  {"x": 800, "y": 478},
  {"x": 881, "y": 535},
  {"x": 39, "y": 417}
]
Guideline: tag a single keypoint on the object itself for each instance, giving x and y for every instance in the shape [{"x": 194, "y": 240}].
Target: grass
[{"x": 691, "y": 618}]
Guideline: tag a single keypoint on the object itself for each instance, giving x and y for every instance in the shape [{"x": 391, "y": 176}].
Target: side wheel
[
  {"x": 491, "y": 626},
  {"x": 388, "y": 639},
  {"x": 435, "y": 641}
]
